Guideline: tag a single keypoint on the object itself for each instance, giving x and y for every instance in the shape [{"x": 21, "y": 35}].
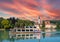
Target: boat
[{"x": 27, "y": 29}]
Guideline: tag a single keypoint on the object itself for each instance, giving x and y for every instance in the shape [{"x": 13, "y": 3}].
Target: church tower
[{"x": 39, "y": 20}]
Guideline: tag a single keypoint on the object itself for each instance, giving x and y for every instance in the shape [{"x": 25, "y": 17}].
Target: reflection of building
[
  {"x": 50, "y": 32},
  {"x": 25, "y": 36}
]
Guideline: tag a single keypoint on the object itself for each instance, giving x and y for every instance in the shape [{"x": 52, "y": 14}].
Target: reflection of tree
[
  {"x": 58, "y": 26},
  {"x": 43, "y": 34},
  {"x": 1, "y": 37},
  {"x": 11, "y": 39},
  {"x": 5, "y": 35},
  {"x": 43, "y": 25}
]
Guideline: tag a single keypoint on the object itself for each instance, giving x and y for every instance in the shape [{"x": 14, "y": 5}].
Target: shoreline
[{"x": 2, "y": 29}]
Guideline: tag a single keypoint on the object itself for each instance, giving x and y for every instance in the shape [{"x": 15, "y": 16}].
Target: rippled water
[{"x": 48, "y": 35}]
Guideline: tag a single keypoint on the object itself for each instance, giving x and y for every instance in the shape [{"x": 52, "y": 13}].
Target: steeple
[
  {"x": 39, "y": 20},
  {"x": 38, "y": 17}
]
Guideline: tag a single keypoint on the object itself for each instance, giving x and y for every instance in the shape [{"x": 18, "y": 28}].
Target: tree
[
  {"x": 17, "y": 24},
  {"x": 5, "y": 23},
  {"x": 43, "y": 24},
  {"x": 58, "y": 26},
  {"x": 13, "y": 20},
  {"x": 1, "y": 18},
  {"x": 29, "y": 23},
  {"x": 22, "y": 23}
]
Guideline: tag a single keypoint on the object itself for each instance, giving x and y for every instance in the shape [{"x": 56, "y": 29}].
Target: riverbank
[{"x": 2, "y": 29}]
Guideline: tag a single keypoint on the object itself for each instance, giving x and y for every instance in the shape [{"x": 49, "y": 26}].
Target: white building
[{"x": 49, "y": 25}]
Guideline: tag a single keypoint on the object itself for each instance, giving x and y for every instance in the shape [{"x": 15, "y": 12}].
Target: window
[
  {"x": 27, "y": 38},
  {"x": 27, "y": 27},
  {"x": 19, "y": 35},
  {"x": 31, "y": 30},
  {"x": 19, "y": 30},
  {"x": 34, "y": 27},
  {"x": 31, "y": 34},
  {"x": 31, "y": 37},
  {"x": 27, "y": 34},
  {"x": 23, "y": 30},
  {"x": 34, "y": 37},
  {"x": 23, "y": 35},
  {"x": 27, "y": 30},
  {"x": 30, "y": 26}
]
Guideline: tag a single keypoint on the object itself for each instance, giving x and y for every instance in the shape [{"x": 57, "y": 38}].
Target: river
[{"x": 48, "y": 35}]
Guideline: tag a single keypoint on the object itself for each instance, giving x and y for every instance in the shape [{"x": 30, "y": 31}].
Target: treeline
[
  {"x": 55, "y": 21},
  {"x": 14, "y": 22}
]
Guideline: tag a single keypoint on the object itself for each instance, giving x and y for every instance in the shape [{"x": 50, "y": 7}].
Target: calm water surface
[{"x": 48, "y": 35}]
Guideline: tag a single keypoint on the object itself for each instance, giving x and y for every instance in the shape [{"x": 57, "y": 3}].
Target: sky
[{"x": 30, "y": 9}]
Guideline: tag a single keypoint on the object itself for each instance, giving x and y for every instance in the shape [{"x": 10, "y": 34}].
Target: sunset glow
[{"x": 28, "y": 9}]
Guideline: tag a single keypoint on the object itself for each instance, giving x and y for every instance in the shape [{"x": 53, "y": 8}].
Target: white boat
[{"x": 27, "y": 29}]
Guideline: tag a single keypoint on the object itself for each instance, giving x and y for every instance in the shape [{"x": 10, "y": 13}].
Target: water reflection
[
  {"x": 25, "y": 36},
  {"x": 50, "y": 33},
  {"x": 7, "y": 36}
]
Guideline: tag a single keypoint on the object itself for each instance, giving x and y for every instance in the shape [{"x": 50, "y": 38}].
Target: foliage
[
  {"x": 58, "y": 26},
  {"x": 55, "y": 21},
  {"x": 43, "y": 24},
  {"x": 5, "y": 23},
  {"x": 13, "y": 22},
  {"x": 0, "y": 21},
  {"x": 22, "y": 23}
]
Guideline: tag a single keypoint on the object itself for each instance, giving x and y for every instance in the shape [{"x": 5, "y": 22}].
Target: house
[{"x": 49, "y": 25}]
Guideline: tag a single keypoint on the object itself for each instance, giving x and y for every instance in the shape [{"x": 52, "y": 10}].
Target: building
[{"x": 49, "y": 25}]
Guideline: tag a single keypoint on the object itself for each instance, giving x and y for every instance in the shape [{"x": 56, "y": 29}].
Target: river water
[{"x": 48, "y": 35}]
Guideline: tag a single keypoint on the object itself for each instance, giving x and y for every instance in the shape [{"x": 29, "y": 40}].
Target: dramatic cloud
[{"x": 30, "y": 9}]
